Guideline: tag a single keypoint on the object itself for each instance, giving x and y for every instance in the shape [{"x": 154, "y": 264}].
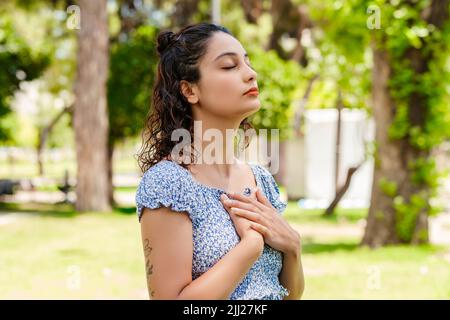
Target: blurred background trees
[{"x": 387, "y": 57}]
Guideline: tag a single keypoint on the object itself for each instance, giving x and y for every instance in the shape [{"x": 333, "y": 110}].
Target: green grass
[
  {"x": 56, "y": 255},
  {"x": 343, "y": 270},
  {"x": 297, "y": 215},
  {"x": 47, "y": 251}
]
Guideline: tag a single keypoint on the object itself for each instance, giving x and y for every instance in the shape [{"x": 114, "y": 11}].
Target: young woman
[{"x": 198, "y": 242}]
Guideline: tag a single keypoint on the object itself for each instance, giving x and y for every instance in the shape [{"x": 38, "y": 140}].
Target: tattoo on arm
[{"x": 148, "y": 265}]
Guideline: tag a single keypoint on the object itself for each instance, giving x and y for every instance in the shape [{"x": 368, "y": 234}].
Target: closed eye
[{"x": 229, "y": 67}]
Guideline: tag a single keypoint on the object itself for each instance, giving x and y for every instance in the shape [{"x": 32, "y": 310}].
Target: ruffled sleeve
[
  {"x": 164, "y": 185},
  {"x": 272, "y": 190}
]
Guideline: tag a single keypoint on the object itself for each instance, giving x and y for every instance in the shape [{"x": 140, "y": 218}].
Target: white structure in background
[
  {"x": 215, "y": 12},
  {"x": 315, "y": 160},
  {"x": 310, "y": 160}
]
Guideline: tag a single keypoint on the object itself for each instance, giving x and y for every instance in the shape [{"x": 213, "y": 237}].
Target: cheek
[
  {"x": 223, "y": 83},
  {"x": 221, "y": 89}
]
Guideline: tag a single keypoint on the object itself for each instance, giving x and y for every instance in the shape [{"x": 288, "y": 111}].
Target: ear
[{"x": 189, "y": 91}]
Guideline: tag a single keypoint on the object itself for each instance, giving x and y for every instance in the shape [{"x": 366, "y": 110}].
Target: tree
[
  {"x": 341, "y": 37},
  {"x": 286, "y": 18},
  {"x": 49, "y": 33},
  {"x": 18, "y": 63},
  {"x": 411, "y": 112},
  {"x": 132, "y": 72},
  {"x": 90, "y": 118}
]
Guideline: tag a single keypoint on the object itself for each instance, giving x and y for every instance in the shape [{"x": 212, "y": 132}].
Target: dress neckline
[{"x": 216, "y": 189}]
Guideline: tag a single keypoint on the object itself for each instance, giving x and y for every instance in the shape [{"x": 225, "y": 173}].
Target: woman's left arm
[{"x": 277, "y": 233}]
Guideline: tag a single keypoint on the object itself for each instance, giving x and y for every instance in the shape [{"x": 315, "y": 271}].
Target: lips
[{"x": 252, "y": 91}]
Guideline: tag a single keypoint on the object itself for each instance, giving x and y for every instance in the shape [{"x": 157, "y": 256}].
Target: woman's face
[{"x": 225, "y": 75}]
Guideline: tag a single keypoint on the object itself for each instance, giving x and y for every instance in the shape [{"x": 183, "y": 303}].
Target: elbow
[
  {"x": 296, "y": 294},
  {"x": 182, "y": 294}
]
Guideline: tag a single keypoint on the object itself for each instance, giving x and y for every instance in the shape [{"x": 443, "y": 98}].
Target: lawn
[{"x": 53, "y": 252}]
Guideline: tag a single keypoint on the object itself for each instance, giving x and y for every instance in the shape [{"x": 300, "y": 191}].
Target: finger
[
  {"x": 224, "y": 199},
  {"x": 262, "y": 198},
  {"x": 247, "y": 199},
  {"x": 229, "y": 203},
  {"x": 253, "y": 216},
  {"x": 260, "y": 228}
]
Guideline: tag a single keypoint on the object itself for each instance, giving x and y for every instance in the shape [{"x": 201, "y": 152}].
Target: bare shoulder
[
  {"x": 168, "y": 247},
  {"x": 164, "y": 226},
  {"x": 164, "y": 215}
]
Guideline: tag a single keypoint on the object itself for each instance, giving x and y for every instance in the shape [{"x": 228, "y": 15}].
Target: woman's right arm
[{"x": 168, "y": 248}]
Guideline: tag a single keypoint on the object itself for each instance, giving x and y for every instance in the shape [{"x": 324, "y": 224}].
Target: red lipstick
[{"x": 252, "y": 91}]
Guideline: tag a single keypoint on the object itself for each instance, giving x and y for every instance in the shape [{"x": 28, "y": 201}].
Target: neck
[{"x": 214, "y": 143}]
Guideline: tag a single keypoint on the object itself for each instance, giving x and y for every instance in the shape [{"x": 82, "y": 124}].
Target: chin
[
  {"x": 256, "y": 106},
  {"x": 251, "y": 110}
]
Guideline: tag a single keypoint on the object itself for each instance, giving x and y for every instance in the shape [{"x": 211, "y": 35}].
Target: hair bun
[{"x": 165, "y": 39}]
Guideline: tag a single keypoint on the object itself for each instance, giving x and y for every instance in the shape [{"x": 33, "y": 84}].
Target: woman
[{"x": 198, "y": 242}]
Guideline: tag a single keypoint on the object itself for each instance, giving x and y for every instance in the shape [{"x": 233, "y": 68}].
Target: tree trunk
[
  {"x": 337, "y": 160},
  {"x": 44, "y": 134},
  {"x": 110, "y": 174},
  {"x": 299, "y": 112},
  {"x": 291, "y": 19},
  {"x": 253, "y": 9},
  {"x": 393, "y": 156},
  {"x": 184, "y": 12},
  {"x": 280, "y": 175},
  {"x": 380, "y": 228},
  {"x": 40, "y": 162},
  {"x": 340, "y": 192},
  {"x": 90, "y": 108}
]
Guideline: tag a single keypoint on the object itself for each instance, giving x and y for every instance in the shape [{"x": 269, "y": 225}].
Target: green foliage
[
  {"x": 424, "y": 172},
  {"x": 18, "y": 63},
  {"x": 399, "y": 127},
  {"x": 132, "y": 73},
  {"x": 340, "y": 53},
  {"x": 405, "y": 34},
  {"x": 388, "y": 187},
  {"x": 133, "y": 68},
  {"x": 277, "y": 81},
  {"x": 407, "y": 213}
]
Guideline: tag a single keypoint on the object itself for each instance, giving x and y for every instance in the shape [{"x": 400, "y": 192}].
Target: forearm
[
  {"x": 219, "y": 282},
  {"x": 291, "y": 275}
]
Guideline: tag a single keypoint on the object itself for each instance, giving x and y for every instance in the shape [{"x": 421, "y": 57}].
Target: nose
[{"x": 250, "y": 74}]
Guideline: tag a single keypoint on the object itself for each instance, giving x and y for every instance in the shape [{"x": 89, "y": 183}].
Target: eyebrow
[{"x": 229, "y": 54}]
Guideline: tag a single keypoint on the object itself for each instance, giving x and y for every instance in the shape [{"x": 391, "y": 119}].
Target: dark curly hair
[{"x": 179, "y": 56}]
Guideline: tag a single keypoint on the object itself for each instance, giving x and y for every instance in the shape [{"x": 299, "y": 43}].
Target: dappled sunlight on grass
[
  {"x": 50, "y": 251},
  {"x": 337, "y": 267},
  {"x": 296, "y": 214},
  {"x": 88, "y": 256}
]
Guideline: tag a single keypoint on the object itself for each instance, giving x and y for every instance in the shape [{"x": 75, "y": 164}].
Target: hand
[
  {"x": 265, "y": 219},
  {"x": 242, "y": 225}
]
